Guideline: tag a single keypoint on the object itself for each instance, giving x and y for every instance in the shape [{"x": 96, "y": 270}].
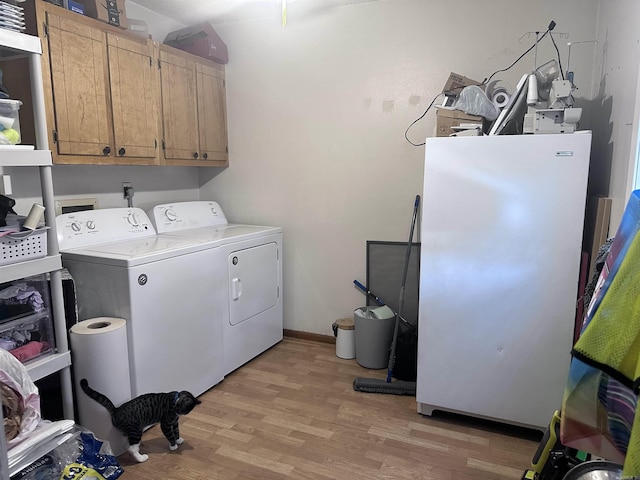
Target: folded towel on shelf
[{"x": 29, "y": 350}]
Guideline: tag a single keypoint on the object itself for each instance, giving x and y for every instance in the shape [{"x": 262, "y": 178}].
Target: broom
[{"x": 400, "y": 387}]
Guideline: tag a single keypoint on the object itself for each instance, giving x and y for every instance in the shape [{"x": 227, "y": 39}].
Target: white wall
[
  {"x": 616, "y": 81},
  {"x": 317, "y": 113}
]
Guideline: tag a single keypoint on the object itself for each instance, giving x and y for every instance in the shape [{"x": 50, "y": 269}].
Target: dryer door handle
[{"x": 236, "y": 288}]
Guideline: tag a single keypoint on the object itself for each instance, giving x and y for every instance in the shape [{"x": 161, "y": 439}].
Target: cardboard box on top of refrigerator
[
  {"x": 201, "y": 40},
  {"x": 456, "y": 82},
  {"x": 447, "y": 118}
]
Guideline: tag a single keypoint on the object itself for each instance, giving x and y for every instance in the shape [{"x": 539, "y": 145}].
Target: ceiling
[{"x": 223, "y": 11}]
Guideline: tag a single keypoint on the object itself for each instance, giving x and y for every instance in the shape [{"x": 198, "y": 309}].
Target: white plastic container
[
  {"x": 10, "y": 122},
  {"x": 21, "y": 246},
  {"x": 345, "y": 338}
]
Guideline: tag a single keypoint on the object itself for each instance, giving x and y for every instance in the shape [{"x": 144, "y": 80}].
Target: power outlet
[
  {"x": 127, "y": 193},
  {"x": 5, "y": 185}
]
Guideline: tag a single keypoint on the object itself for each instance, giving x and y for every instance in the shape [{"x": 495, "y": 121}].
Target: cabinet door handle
[
  {"x": 106, "y": 150},
  {"x": 205, "y": 156},
  {"x": 122, "y": 151},
  {"x": 195, "y": 154}
]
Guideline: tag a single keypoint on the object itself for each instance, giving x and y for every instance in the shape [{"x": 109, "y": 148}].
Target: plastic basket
[{"x": 21, "y": 246}]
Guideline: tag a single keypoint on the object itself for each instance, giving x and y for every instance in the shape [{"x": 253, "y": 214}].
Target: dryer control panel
[
  {"x": 172, "y": 217},
  {"x": 92, "y": 227}
]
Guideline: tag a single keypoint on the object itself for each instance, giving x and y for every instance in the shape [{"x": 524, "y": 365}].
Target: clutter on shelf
[
  {"x": 110, "y": 11},
  {"x": 39, "y": 448},
  {"x": 9, "y": 116},
  {"x": 26, "y": 327},
  {"x": 21, "y": 238},
  {"x": 9, "y": 122},
  {"x": 11, "y": 16},
  {"x": 6, "y": 208},
  {"x": 464, "y": 107}
]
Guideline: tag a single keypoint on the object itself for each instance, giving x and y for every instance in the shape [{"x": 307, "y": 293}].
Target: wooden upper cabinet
[
  {"x": 77, "y": 55},
  {"x": 194, "y": 116},
  {"x": 179, "y": 110},
  {"x": 134, "y": 86},
  {"x": 212, "y": 112},
  {"x": 105, "y": 90},
  {"x": 113, "y": 97}
]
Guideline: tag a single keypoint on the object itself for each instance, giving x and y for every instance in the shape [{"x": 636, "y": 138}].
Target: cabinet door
[
  {"x": 179, "y": 112},
  {"x": 79, "y": 77},
  {"x": 134, "y": 90},
  {"x": 212, "y": 113}
]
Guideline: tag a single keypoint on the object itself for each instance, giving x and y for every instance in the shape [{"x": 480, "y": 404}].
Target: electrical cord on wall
[
  {"x": 558, "y": 54},
  {"x": 418, "y": 119},
  {"x": 551, "y": 26}
]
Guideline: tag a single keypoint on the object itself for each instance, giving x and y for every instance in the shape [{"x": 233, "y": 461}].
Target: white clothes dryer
[
  {"x": 162, "y": 286},
  {"x": 251, "y": 258}
]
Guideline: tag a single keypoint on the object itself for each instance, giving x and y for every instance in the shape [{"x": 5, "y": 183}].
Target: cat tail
[{"x": 97, "y": 396}]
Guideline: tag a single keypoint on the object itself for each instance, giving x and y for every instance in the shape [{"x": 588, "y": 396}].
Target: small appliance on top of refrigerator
[{"x": 501, "y": 237}]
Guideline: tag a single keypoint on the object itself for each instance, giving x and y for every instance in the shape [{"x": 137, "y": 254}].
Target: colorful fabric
[{"x": 601, "y": 395}]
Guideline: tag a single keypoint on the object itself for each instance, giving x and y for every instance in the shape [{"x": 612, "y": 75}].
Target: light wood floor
[{"x": 292, "y": 413}]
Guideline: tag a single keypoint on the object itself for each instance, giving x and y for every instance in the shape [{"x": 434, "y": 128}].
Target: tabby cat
[{"x": 132, "y": 417}]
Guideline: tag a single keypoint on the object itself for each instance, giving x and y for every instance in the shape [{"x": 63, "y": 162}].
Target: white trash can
[{"x": 344, "y": 330}]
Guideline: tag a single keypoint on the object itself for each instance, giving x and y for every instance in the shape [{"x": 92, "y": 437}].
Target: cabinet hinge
[
  {"x": 55, "y": 136},
  {"x": 46, "y": 29},
  {"x": 226, "y": 149},
  {"x": 159, "y": 66},
  {"x": 155, "y": 143},
  {"x": 150, "y": 62},
  {"x": 163, "y": 145}
]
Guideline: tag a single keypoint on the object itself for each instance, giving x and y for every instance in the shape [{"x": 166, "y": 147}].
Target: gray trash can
[{"x": 374, "y": 333}]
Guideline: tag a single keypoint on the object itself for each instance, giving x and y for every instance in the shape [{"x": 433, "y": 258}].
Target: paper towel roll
[
  {"x": 34, "y": 217},
  {"x": 99, "y": 349},
  {"x": 499, "y": 96},
  {"x": 500, "y": 99}
]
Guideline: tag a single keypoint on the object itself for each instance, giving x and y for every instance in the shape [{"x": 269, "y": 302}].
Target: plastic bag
[
  {"x": 474, "y": 101},
  {"x": 81, "y": 456},
  {"x": 14, "y": 375}
]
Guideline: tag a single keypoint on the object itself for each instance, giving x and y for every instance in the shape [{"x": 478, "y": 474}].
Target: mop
[{"x": 400, "y": 387}]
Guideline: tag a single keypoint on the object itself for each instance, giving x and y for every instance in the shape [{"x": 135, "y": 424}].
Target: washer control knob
[
  {"x": 91, "y": 225},
  {"x": 75, "y": 227},
  {"x": 170, "y": 214},
  {"x": 132, "y": 218}
]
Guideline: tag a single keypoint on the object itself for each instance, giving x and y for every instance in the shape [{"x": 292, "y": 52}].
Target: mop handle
[
  {"x": 379, "y": 301},
  {"x": 392, "y": 356},
  {"x": 368, "y": 292}
]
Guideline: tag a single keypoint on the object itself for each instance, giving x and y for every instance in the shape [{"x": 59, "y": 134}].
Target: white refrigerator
[{"x": 501, "y": 234}]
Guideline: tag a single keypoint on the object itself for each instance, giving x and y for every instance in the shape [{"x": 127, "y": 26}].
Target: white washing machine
[
  {"x": 162, "y": 286},
  {"x": 250, "y": 256}
]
